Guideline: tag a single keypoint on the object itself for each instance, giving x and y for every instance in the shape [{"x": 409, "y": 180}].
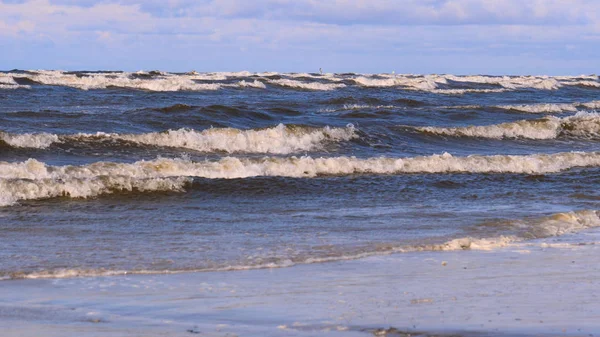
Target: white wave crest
[
  {"x": 520, "y": 230},
  {"x": 13, "y": 190},
  {"x": 304, "y": 167},
  {"x": 10, "y": 86},
  {"x": 7, "y": 79},
  {"x": 163, "y": 82},
  {"x": 511, "y": 82},
  {"x": 581, "y": 125},
  {"x": 29, "y": 140},
  {"x": 307, "y": 85},
  {"x": 424, "y": 83},
  {"x": 8, "y": 82},
  {"x": 585, "y": 83},
  {"x": 541, "y": 107},
  {"x": 254, "y": 84},
  {"x": 347, "y": 107},
  {"x": 590, "y": 105},
  {"x": 431, "y": 82},
  {"x": 466, "y": 91},
  {"x": 280, "y": 139}
]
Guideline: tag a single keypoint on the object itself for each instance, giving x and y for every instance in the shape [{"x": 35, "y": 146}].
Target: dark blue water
[{"x": 106, "y": 173}]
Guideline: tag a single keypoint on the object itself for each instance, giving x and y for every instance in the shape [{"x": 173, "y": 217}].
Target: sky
[{"x": 553, "y": 37}]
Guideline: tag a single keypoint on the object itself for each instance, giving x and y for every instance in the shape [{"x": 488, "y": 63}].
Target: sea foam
[
  {"x": 33, "y": 179},
  {"x": 582, "y": 125},
  {"x": 280, "y": 139}
]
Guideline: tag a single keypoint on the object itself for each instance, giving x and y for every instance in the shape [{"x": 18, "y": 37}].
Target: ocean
[
  {"x": 114, "y": 173},
  {"x": 305, "y": 204}
]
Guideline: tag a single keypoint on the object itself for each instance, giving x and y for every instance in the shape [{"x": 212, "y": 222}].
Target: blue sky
[{"x": 407, "y": 36}]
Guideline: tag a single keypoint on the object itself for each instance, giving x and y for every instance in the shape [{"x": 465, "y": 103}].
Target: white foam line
[
  {"x": 307, "y": 85},
  {"x": 280, "y": 139},
  {"x": 581, "y": 125},
  {"x": 33, "y": 179}
]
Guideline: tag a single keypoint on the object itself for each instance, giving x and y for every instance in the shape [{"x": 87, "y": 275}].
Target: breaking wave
[
  {"x": 33, "y": 179},
  {"x": 29, "y": 140},
  {"x": 426, "y": 83},
  {"x": 582, "y": 125},
  {"x": 541, "y": 107},
  {"x": 13, "y": 190},
  {"x": 194, "y": 81},
  {"x": 307, "y": 85},
  {"x": 347, "y": 107},
  {"x": 466, "y": 91},
  {"x": 7, "y": 82},
  {"x": 511, "y": 82},
  {"x": 281, "y": 139},
  {"x": 160, "y": 82},
  {"x": 254, "y": 84},
  {"x": 535, "y": 108}
]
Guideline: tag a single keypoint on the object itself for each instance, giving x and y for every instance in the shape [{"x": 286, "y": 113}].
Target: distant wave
[
  {"x": 123, "y": 80},
  {"x": 582, "y": 125},
  {"x": 551, "y": 107},
  {"x": 511, "y": 82},
  {"x": 426, "y": 83},
  {"x": 193, "y": 81},
  {"x": 466, "y": 91},
  {"x": 536, "y": 108},
  {"x": 347, "y": 107},
  {"x": 500, "y": 234},
  {"x": 281, "y": 139},
  {"x": 7, "y": 82},
  {"x": 33, "y": 179},
  {"x": 307, "y": 85}
]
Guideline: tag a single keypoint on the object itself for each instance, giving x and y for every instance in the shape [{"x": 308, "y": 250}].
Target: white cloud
[{"x": 316, "y": 27}]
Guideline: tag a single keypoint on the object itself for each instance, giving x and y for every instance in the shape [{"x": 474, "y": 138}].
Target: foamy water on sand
[{"x": 155, "y": 174}]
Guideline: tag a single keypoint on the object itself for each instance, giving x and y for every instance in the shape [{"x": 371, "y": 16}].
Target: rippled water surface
[{"x": 111, "y": 172}]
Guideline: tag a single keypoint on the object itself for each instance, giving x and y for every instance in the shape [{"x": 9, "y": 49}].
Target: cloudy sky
[{"x": 407, "y": 36}]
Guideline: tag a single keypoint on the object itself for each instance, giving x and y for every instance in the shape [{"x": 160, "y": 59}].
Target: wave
[
  {"x": 281, "y": 139},
  {"x": 535, "y": 108},
  {"x": 432, "y": 82},
  {"x": 551, "y": 107},
  {"x": 29, "y": 140},
  {"x": 7, "y": 82},
  {"x": 162, "y": 82},
  {"x": 541, "y": 107},
  {"x": 194, "y": 81},
  {"x": 502, "y": 234},
  {"x": 511, "y": 82},
  {"x": 307, "y": 85},
  {"x": 426, "y": 83},
  {"x": 582, "y": 125},
  {"x": 254, "y": 84},
  {"x": 466, "y": 91},
  {"x": 583, "y": 83},
  {"x": 347, "y": 107},
  {"x": 13, "y": 190},
  {"x": 11, "y": 86},
  {"x": 508, "y": 232},
  {"x": 33, "y": 179}
]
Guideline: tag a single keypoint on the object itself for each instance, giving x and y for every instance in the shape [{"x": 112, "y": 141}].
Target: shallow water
[{"x": 111, "y": 173}]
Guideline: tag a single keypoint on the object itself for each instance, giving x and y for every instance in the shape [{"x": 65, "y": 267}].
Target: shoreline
[{"x": 541, "y": 287}]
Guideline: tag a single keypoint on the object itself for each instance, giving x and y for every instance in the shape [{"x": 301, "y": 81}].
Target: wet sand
[{"x": 539, "y": 288}]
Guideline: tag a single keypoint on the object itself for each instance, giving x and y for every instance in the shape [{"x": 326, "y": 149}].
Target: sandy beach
[{"x": 539, "y": 288}]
